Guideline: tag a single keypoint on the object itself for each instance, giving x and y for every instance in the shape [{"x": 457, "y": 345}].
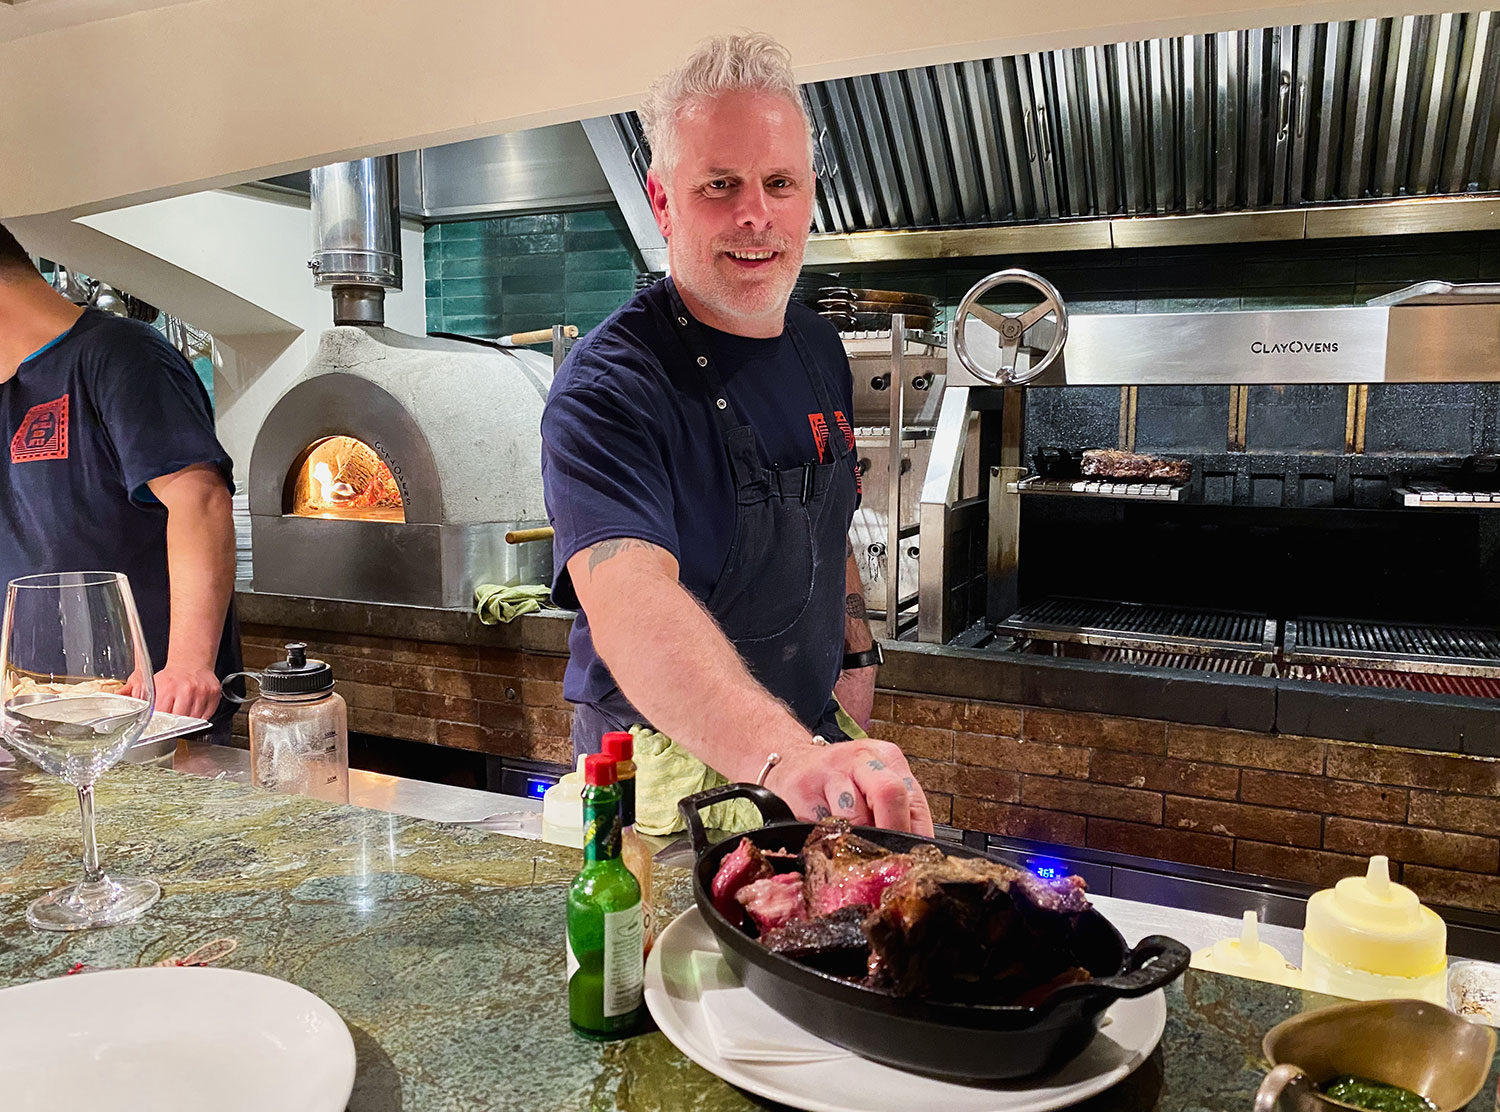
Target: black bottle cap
[{"x": 296, "y": 675}]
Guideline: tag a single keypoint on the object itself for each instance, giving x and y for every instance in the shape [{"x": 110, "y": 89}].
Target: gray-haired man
[{"x": 700, "y": 474}]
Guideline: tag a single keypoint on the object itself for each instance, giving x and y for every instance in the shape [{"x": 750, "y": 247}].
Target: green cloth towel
[
  {"x": 665, "y": 772},
  {"x": 503, "y": 604}
]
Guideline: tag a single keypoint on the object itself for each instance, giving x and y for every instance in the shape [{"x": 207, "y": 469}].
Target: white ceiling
[{"x": 21, "y": 18}]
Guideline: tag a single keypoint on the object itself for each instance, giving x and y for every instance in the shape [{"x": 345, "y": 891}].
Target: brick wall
[
  {"x": 1294, "y": 808},
  {"x": 497, "y": 701},
  {"x": 1288, "y": 807}
]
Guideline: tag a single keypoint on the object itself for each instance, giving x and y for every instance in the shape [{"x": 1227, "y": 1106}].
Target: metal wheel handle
[{"x": 1010, "y": 328}]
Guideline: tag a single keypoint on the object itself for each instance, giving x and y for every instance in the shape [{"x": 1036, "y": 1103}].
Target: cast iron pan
[{"x": 955, "y": 1042}]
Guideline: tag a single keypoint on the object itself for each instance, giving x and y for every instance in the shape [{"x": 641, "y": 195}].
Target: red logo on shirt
[
  {"x": 838, "y": 415},
  {"x": 43, "y": 433},
  {"x": 819, "y": 425}
]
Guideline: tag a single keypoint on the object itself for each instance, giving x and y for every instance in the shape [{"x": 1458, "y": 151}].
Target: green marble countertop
[{"x": 442, "y": 948}]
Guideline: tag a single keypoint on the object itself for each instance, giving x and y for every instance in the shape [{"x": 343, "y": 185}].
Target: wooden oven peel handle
[
  {"x": 521, "y": 536},
  {"x": 540, "y": 336}
]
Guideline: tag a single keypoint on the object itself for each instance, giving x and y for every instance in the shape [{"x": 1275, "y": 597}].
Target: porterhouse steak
[{"x": 1113, "y": 463}]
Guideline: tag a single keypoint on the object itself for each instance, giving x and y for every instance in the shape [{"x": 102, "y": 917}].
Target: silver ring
[
  {"x": 819, "y": 739},
  {"x": 771, "y": 762}
]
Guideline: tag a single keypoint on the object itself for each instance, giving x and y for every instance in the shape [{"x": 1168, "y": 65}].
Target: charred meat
[
  {"x": 835, "y": 943},
  {"x": 972, "y": 931},
  {"x": 1112, "y": 463},
  {"x": 843, "y": 869}
]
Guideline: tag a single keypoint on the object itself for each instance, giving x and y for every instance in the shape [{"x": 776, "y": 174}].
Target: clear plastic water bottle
[{"x": 299, "y": 729}]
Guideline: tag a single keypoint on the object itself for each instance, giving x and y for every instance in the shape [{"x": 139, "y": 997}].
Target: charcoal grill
[
  {"x": 1472, "y": 687},
  {"x": 1409, "y": 647},
  {"x": 1146, "y": 628}
]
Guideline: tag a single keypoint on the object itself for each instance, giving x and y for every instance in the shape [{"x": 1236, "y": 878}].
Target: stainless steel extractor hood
[
  {"x": 1430, "y": 332},
  {"x": 1375, "y": 126}
]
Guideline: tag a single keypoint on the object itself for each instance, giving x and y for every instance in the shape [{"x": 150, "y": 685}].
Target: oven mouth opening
[{"x": 343, "y": 478}]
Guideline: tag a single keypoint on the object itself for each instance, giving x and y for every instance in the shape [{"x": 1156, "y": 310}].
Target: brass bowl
[{"x": 1411, "y": 1043}]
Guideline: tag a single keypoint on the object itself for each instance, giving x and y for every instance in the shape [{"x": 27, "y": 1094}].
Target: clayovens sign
[{"x": 1294, "y": 347}]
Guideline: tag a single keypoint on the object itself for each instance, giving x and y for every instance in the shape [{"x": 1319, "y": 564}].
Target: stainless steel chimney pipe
[{"x": 356, "y": 236}]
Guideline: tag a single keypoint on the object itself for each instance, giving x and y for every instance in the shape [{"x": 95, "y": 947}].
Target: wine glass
[{"x": 75, "y": 692}]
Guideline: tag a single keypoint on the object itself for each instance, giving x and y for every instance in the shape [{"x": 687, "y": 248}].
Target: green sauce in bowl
[{"x": 1376, "y": 1096}]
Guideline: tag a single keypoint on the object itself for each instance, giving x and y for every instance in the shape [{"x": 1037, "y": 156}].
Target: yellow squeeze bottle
[
  {"x": 1367, "y": 938},
  {"x": 1247, "y": 956}
]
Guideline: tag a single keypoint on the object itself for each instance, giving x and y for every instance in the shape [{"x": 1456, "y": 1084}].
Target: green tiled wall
[{"x": 515, "y": 273}]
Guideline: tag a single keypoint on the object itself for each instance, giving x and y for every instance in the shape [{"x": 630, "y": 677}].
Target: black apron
[{"x": 780, "y": 597}]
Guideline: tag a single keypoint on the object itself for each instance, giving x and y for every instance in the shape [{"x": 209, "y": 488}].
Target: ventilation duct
[{"x": 356, "y": 237}]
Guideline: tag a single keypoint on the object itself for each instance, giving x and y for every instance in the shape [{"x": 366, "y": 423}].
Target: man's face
[{"x": 736, "y": 209}]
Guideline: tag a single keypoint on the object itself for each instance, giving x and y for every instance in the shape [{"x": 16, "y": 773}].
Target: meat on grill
[
  {"x": 773, "y": 902},
  {"x": 968, "y": 930},
  {"x": 835, "y": 943},
  {"x": 842, "y": 868},
  {"x": 1112, "y": 463},
  {"x": 744, "y": 865}
]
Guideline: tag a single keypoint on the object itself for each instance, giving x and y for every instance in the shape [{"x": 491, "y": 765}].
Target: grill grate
[
  {"x": 1450, "y": 650},
  {"x": 1224, "y": 665},
  {"x": 1475, "y": 687},
  {"x": 1130, "y": 625}
]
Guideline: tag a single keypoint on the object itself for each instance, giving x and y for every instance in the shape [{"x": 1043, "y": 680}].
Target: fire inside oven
[{"x": 342, "y": 477}]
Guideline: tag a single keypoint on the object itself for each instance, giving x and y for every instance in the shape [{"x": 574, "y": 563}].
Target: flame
[{"x": 323, "y": 474}]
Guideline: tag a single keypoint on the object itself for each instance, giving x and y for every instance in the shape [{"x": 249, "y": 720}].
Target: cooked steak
[
  {"x": 843, "y": 869},
  {"x": 1112, "y": 463},
  {"x": 744, "y": 865},
  {"x": 834, "y": 943},
  {"x": 967, "y": 930},
  {"x": 773, "y": 901}
]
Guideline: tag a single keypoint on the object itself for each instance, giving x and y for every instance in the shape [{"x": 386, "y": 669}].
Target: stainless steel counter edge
[{"x": 1291, "y": 707}]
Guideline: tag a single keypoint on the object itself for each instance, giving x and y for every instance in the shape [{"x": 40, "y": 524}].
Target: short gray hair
[{"x": 722, "y": 64}]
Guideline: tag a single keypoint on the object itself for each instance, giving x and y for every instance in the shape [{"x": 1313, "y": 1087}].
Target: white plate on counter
[
  {"x": 172, "y": 1040},
  {"x": 842, "y": 1082}
]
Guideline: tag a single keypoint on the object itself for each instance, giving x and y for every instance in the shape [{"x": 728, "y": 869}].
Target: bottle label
[
  {"x": 624, "y": 961},
  {"x": 572, "y": 961},
  {"x": 601, "y": 834}
]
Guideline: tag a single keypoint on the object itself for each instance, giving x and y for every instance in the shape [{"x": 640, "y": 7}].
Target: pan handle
[
  {"x": 1155, "y": 962},
  {"x": 767, "y": 802}
]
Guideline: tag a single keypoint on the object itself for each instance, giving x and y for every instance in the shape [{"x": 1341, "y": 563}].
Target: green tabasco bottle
[{"x": 606, "y": 956}]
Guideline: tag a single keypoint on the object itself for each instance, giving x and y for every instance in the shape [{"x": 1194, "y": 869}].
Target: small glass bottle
[
  {"x": 299, "y": 730},
  {"x": 620, "y": 746},
  {"x": 606, "y": 958}
]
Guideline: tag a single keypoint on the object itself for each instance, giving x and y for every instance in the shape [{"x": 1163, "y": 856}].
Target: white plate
[
  {"x": 172, "y": 1040},
  {"x": 848, "y": 1084}
]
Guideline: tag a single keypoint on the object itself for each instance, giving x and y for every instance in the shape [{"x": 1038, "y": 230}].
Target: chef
[
  {"x": 699, "y": 467},
  {"x": 111, "y": 464}
]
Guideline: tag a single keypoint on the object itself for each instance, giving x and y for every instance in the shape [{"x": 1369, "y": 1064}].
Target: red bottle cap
[
  {"x": 618, "y": 745},
  {"x": 599, "y": 770}
]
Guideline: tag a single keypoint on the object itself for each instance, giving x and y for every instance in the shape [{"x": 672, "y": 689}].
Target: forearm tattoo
[{"x": 854, "y": 606}]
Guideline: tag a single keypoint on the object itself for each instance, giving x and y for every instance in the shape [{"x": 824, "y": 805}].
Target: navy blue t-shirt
[
  {"x": 631, "y": 446},
  {"x": 88, "y": 421}
]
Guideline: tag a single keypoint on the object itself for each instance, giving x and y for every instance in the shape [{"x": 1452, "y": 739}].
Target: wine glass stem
[{"x": 91, "y": 871}]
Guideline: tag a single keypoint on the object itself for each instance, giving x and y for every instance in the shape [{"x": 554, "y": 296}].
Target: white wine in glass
[{"x": 75, "y": 693}]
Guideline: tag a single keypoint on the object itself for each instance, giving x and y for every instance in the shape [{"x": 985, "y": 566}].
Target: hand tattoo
[
  {"x": 606, "y": 550},
  {"x": 854, "y": 607},
  {"x": 911, "y": 785},
  {"x": 876, "y": 765},
  {"x": 821, "y": 812},
  {"x": 846, "y": 802}
]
